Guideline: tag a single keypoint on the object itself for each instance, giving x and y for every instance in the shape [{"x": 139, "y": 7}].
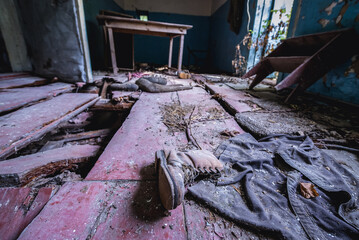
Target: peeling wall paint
[
  {"x": 223, "y": 41},
  {"x": 341, "y": 82}
]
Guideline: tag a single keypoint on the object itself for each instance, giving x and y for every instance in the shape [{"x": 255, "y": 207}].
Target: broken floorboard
[
  {"x": 232, "y": 100},
  {"x": 26, "y": 125},
  {"x": 130, "y": 153},
  {"x": 18, "y": 207},
  {"x": 134, "y": 145},
  {"x": 22, "y": 82},
  {"x": 20, "y": 171},
  {"x": 106, "y": 210},
  {"x": 11, "y": 99},
  {"x": 107, "y": 105}
]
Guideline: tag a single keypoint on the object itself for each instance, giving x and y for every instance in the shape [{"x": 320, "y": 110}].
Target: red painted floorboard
[
  {"x": 232, "y": 98},
  {"x": 131, "y": 152},
  {"x": 22, "y": 82},
  {"x": 21, "y": 170},
  {"x": 11, "y": 99},
  {"x": 106, "y": 210},
  {"x": 18, "y": 207},
  {"x": 16, "y": 126}
]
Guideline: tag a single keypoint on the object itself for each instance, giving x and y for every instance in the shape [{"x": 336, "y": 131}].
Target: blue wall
[
  {"x": 148, "y": 49},
  {"x": 94, "y": 30},
  {"x": 223, "y": 41},
  {"x": 152, "y": 49},
  {"x": 337, "y": 85}
]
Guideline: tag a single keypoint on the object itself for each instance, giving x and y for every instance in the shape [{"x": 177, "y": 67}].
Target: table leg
[
  {"x": 180, "y": 53},
  {"x": 170, "y": 53},
  {"x": 113, "y": 52}
]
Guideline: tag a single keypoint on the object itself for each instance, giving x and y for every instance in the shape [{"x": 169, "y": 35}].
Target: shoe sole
[{"x": 166, "y": 184}]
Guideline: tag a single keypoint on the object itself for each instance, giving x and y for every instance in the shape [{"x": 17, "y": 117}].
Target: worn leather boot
[{"x": 177, "y": 169}]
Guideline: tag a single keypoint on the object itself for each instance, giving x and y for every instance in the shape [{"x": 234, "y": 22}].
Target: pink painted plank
[
  {"x": 106, "y": 210},
  {"x": 18, "y": 207},
  {"x": 232, "y": 99},
  {"x": 131, "y": 152},
  {"x": 26, "y": 123},
  {"x": 71, "y": 212},
  {"x": 11, "y": 99},
  {"x": 21, "y": 170},
  {"x": 22, "y": 82},
  {"x": 13, "y": 75},
  {"x": 136, "y": 213}
]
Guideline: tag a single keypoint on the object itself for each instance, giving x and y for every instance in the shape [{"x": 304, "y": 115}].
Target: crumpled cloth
[
  {"x": 235, "y": 14},
  {"x": 261, "y": 189}
]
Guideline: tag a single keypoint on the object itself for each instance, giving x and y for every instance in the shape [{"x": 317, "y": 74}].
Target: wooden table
[{"x": 135, "y": 26}]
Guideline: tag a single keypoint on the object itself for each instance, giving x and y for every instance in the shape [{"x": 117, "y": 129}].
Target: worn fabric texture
[
  {"x": 235, "y": 14},
  {"x": 261, "y": 189}
]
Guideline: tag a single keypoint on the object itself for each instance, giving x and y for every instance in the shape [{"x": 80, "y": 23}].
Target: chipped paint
[
  {"x": 354, "y": 67},
  {"x": 329, "y": 9},
  {"x": 323, "y": 22}
]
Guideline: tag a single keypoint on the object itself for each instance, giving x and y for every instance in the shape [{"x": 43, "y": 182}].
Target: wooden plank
[
  {"x": 106, "y": 210},
  {"x": 20, "y": 171},
  {"x": 170, "y": 53},
  {"x": 130, "y": 153},
  {"x": 18, "y": 207},
  {"x": 11, "y": 99},
  {"x": 13, "y": 75},
  {"x": 158, "y": 34},
  {"x": 103, "y": 18},
  {"x": 286, "y": 64},
  {"x": 82, "y": 135},
  {"x": 139, "y": 28},
  {"x": 22, "y": 82},
  {"x": 180, "y": 53},
  {"x": 232, "y": 100},
  {"x": 20, "y": 128}
]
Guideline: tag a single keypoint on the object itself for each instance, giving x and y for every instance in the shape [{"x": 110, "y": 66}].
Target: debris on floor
[{"x": 104, "y": 154}]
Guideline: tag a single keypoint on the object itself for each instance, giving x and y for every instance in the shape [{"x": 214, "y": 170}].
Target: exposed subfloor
[{"x": 118, "y": 198}]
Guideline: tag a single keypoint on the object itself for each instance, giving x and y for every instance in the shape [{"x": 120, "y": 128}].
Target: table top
[{"x": 136, "y": 26}]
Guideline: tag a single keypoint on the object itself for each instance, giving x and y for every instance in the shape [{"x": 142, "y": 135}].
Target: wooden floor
[{"x": 118, "y": 199}]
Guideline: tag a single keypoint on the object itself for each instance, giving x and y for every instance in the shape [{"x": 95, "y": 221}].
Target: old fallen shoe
[{"x": 177, "y": 169}]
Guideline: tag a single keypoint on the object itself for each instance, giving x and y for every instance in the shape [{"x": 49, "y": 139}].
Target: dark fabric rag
[
  {"x": 235, "y": 14},
  {"x": 261, "y": 189}
]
